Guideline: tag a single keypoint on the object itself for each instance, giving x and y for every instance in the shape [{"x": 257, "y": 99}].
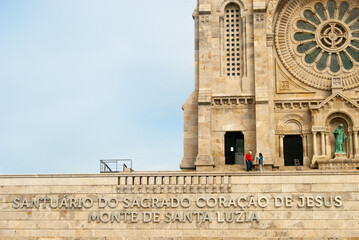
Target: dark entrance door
[
  {"x": 293, "y": 149},
  {"x": 234, "y": 148}
]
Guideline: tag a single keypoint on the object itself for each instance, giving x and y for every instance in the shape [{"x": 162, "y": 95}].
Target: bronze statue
[{"x": 339, "y": 139}]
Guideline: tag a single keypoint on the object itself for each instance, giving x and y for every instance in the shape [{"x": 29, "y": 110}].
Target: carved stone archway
[
  {"x": 292, "y": 124},
  {"x": 336, "y": 109},
  {"x": 331, "y": 123}
]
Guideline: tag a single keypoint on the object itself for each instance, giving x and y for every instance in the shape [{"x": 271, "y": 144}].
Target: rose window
[
  {"x": 332, "y": 36},
  {"x": 329, "y": 36},
  {"x": 319, "y": 40}
]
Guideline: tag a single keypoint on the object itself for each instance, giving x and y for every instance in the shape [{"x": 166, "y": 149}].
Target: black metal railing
[{"x": 115, "y": 165}]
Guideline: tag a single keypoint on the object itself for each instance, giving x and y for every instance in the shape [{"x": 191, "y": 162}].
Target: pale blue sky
[{"x": 84, "y": 80}]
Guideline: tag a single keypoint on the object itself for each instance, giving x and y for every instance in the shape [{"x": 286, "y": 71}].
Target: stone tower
[{"x": 275, "y": 77}]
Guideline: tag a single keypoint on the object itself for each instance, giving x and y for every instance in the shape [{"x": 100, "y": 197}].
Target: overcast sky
[{"x": 84, "y": 80}]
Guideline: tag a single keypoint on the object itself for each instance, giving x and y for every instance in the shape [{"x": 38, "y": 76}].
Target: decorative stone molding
[
  {"x": 319, "y": 129},
  {"x": 284, "y": 85},
  {"x": 291, "y": 124},
  {"x": 287, "y": 132},
  {"x": 259, "y": 18},
  {"x": 344, "y": 116},
  {"x": 270, "y": 40},
  {"x": 174, "y": 184},
  {"x": 259, "y": 6},
  {"x": 339, "y": 95},
  {"x": 272, "y": 5},
  {"x": 306, "y": 132},
  {"x": 191, "y": 189},
  {"x": 337, "y": 83},
  {"x": 232, "y": 101},
  {"x": 205, "y": 19},
  {"x": 297, "y": 105},
  {"x": 221, "y": 7},
  {"x": 205, "y": 9},
  {"x": 259, "y": 12},
  {"x": 338, "y": 164}
]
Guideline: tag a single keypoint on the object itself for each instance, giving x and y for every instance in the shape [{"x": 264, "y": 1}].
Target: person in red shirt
[{"x": 249, "y": 163}]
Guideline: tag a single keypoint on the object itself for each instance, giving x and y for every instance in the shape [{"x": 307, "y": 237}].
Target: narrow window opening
[{"x": 234, "y": 28}]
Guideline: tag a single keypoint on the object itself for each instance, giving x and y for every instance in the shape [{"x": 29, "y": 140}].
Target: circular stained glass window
[
  {"x": 317, "y": 40},
  {"x": 328, "y": 35}
]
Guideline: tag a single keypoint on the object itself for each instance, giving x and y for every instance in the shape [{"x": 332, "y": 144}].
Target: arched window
[{"x": 233, "y": 43}]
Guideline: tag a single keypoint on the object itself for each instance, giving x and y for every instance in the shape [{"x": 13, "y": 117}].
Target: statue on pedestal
[{"x": 339, "y": 139}]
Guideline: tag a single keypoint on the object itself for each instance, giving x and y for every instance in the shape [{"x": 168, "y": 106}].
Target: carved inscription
[{"x": 151, "y": 209}]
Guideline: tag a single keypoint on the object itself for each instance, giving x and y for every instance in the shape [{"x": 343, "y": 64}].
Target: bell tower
[{"x": 228, "y": 112}]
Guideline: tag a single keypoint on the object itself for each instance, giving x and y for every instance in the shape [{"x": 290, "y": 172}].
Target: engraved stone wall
[{"x": 267, "y": 205}]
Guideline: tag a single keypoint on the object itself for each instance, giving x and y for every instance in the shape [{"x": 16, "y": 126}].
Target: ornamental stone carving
[
  {"x": 272, "y": 5},
  {"x": 270, "y": 40},
  {"x": 319, "y": 40},
  {"x": 205, "y": 19},
  {"x": 259, "y": 17}
]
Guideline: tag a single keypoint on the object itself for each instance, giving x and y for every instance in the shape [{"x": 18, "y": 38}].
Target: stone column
[
  {"x": 204, "y": 160},
  {"x": 270, "y": 70},
  {"x": 322, "y": 135},
  {"x": 356, "y": 147},
  {"x": 260, "y": 88},
  {"x": 305, "y": 150},
  {"x": 328, "y": 145},
  {"x": 281, "y": 146},
  {"x": 304, "y": 142},
  {"x": 281, "y": 152},
  {"x": 315, "y": 154},
  {"x": 248, "y": 83},
  {"x": 350, "y": 141}
]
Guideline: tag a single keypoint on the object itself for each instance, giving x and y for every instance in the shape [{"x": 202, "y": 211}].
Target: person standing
[
  {"x": 260, "y": 161},
  {"x": 249, "y": 161}
]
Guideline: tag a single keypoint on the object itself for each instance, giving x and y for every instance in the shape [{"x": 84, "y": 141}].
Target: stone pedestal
[
  {"x": 340, "y": 156},
  {"x": 340, "y": 162},
  {"x": 204, "y": 163},
  {"x": 316, "y": 160}
]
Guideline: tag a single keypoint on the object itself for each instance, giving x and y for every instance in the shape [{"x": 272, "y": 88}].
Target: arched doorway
[{"x": 293, "y": 149}]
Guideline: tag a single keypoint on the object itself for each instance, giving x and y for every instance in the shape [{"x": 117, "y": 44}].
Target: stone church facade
[{"x": 275, "y": 77}]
